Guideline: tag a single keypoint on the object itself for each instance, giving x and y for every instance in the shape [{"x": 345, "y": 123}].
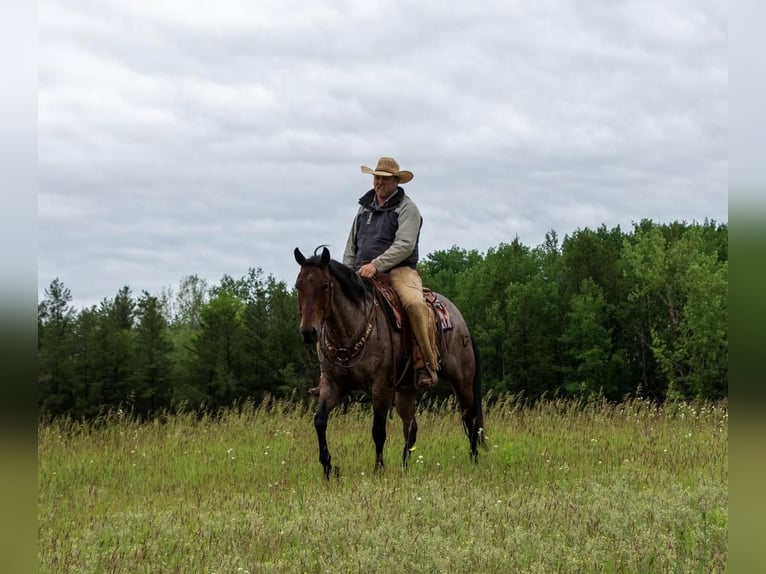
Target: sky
[{"x": 195, "y": 138}]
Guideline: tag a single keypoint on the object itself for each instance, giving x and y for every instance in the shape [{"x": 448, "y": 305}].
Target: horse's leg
[
  {"x": 327, "y": 400},
  {"x": 472, "y": 429},
  {"x": 379, "y": 436},
  {"x": 405, "y": 406},
  {"x": 470, "y": 407},
  {"x": 462, "y": 368},
  {"x": 379, "y": 411}
]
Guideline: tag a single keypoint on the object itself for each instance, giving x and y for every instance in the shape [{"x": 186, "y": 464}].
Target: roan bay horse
[{"x": 359, "y": 349}]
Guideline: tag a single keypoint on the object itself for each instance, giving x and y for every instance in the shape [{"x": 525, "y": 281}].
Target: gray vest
[{"x": 376, "y": 229}]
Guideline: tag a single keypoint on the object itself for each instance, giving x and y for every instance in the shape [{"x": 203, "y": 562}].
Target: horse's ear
[
  {"x": 299, "y": 256},
  {"x": 325, "y": 256}
]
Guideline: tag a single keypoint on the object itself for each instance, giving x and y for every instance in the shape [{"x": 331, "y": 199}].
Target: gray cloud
[{"x": 176, "y": 138}]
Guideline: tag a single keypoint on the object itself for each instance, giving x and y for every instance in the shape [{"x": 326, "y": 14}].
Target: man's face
[{"x": 385, "y": 185}]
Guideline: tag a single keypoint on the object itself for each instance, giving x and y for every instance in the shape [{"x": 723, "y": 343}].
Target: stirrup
[{"x": 425, "y": 378}]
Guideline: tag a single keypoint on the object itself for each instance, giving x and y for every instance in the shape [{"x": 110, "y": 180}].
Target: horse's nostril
[{"x": 309, "y": 335}]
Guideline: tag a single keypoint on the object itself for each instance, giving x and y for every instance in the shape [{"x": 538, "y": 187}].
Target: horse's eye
[{"x": 325, "y": 286}]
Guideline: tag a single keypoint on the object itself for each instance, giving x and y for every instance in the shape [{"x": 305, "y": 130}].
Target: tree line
[{"x": 603, "y": 312}]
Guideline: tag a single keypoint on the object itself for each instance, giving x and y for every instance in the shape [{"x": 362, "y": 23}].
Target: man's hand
[{"x": 367, "y": 271}]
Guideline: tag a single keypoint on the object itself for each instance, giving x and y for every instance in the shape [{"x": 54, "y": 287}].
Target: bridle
[{"x": 349, "y": 354}]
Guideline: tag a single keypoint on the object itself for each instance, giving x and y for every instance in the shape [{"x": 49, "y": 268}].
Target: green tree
[
  {"x": 591, "y": 366},
  {"x": 55, "y": 351},
  {"x": 704, "y": 343},
  {"x": 218, "y": 348},
  {"x": 444, "y": 271},
  {"x": 87, "y": 345},
  {"x": 151, "y": 381},
  {"x": 115, "y": 353},
  {"x": 592, "y": 283},
  {"x": 277, "y": 360},
  {"x": 531, "y": 345},
  {"x": 192, "y": 295},
  {"x": 594, "y": 255},
  {"x": 484, "y": 304},
  {"x": 679, "y": 289},
  {"x": 185, "y": 325}
]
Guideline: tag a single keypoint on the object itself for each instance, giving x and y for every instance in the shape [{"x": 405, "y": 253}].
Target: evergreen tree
[
  {"x": 151, "y": 379},
  {"x": 56, "y": 373},
  {"x": 219, "y": 347},
  {"x": 87, "y": 345},
  {"x": 603, "y": 312},
  {"x": 115, "y": 352}
]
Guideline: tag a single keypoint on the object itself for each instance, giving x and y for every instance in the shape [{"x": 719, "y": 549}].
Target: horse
[{"x": 360, "y": 350}]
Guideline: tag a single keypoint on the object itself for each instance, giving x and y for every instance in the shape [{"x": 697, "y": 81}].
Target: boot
[{"x": 425, "y": 376}]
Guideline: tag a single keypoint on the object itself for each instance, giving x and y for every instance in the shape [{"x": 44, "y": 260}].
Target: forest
[{"x": 604, "y": 312}]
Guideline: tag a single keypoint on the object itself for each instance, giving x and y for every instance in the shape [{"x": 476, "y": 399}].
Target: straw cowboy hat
[{"x": 387, "y": 166}]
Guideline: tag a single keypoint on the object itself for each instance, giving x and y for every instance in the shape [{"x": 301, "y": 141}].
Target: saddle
[{"x": 395, "y": 312}]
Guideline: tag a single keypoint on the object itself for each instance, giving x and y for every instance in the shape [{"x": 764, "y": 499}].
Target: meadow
[{"x": 561, "y": 487}]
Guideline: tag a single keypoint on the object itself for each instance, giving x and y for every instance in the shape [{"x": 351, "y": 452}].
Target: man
[{"x": 384, "y": 238}]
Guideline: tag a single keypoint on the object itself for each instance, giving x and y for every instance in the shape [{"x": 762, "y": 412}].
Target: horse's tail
[{"x": 477, "y": 411}]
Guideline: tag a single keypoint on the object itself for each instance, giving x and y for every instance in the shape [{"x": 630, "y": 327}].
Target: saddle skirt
[{"x": 395, "y": 312}]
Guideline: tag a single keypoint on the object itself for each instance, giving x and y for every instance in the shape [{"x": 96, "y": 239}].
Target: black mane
[{"x": 352, "y": 285}]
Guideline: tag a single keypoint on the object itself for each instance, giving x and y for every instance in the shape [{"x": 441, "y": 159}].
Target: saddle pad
[
  {"x": 443, "y": 321},
  {"x": 390, "y": 301},
  {"x": 396, "y": 314}
]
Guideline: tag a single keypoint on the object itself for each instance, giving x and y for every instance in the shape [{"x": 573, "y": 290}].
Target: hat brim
[{"x": 404, "y": 176}]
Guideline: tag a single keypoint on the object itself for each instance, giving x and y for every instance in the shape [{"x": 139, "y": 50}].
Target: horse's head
[{"x": 313, "y": 287}]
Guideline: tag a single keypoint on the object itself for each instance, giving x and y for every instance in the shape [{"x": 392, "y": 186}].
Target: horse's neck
[{"x": 345, "y": 318}]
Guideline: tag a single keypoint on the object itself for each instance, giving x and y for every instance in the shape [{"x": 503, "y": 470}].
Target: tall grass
[{"x": 561, "y": 487}]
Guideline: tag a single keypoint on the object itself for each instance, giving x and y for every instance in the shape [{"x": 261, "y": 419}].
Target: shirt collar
[{"x": 374, "y": 200}]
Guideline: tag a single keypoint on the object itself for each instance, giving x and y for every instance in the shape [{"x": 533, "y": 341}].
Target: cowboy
[{"x": 384, "y": 239}]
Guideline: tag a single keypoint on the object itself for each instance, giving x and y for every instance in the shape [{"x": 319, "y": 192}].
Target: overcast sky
[{"x": 179, "y": 138}]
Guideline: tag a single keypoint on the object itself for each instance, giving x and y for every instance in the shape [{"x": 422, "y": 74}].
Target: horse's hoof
[{"x": 334, "y": 471}]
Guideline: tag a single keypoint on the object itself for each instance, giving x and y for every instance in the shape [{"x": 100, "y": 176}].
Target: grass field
[{"x": 561, "y": 487}]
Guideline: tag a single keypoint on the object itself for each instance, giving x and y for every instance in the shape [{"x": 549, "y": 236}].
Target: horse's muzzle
[{"x": 309, "y": 335}]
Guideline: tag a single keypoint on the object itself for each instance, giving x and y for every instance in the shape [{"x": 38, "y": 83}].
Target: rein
[{"x": 341, "y": 356}]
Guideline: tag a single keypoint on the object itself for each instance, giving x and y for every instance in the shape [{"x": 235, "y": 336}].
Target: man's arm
[
  {"x": 349, "y": 254},
  {"x": 405, "y": 240}
]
